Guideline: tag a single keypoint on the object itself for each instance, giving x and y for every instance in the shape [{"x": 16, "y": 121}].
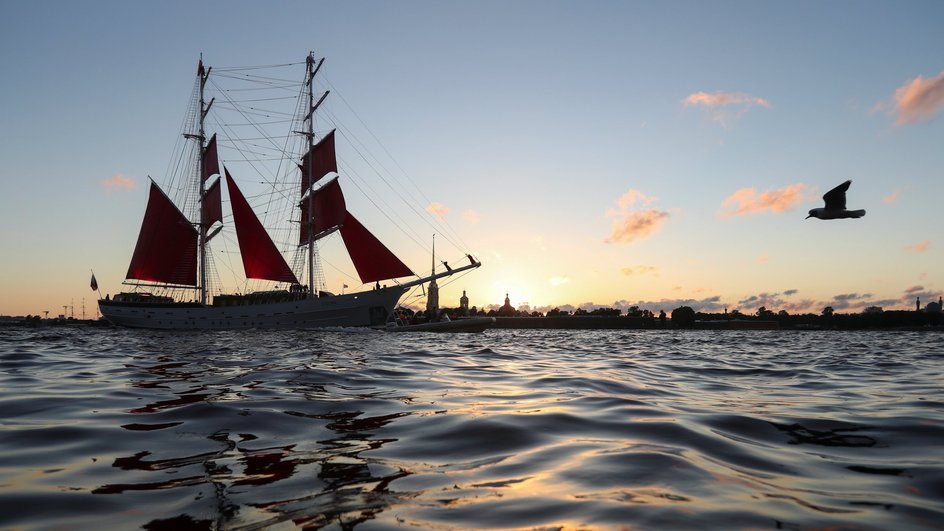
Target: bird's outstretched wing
[{"x": 836, "y": 198}]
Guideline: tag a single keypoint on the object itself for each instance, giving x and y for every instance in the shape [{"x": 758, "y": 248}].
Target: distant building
[
  {"x": 506, "y": 310},
  {"x": 464, "y": 304},
  {"x": 934, "y": 307},
  {"x": 432, "y": 299}
]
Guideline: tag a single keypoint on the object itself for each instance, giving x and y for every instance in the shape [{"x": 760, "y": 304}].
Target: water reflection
[
  {"x": 518, "y": 429},
  {"x": 325, "y": 482}
]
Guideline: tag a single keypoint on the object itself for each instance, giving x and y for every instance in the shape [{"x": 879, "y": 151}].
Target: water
[{"x": 112, "y": 429}]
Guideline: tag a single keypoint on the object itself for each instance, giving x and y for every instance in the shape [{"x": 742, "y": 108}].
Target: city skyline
[{"x": 591, "y": 155}]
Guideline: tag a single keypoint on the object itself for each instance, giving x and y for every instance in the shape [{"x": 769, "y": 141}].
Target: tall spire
[{"x": 432, "y": 292}]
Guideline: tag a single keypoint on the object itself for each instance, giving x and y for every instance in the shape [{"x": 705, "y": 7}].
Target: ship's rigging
[{"x": 285, "y": 162}]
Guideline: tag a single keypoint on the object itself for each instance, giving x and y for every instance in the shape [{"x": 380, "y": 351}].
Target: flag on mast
[{"x": 94, "y": 283}]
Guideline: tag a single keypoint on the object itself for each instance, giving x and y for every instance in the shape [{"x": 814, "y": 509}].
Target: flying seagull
[{"x": 836, "y": 205}]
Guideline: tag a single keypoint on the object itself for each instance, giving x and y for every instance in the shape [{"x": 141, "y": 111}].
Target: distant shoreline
[
  {"x": 850, "y": 322},
  {"x": 593, "y": 322}
]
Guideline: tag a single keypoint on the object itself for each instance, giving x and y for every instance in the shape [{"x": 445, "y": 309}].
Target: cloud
[
  {"x": 438, "y": 210},
  {"x": 638, "y": 270},
  {"x": 762, "y": 259},
  {"x": 471, "y": 216},
  {"x": 717, "y": 105},
  {"x": 630, "y": 198},
  {"x": 118, "y": 181},
  {"x": 846, "y": 302},
  {"x": 709, "y": 304},
  {"x": 559, "y": 281},
  {"x": 892, "y": 197},
  {"x": 770, "y": 301},
  {"x": 919, "y": 247},
  {"x": 912, "y": 295},
  {"x": 917, "y": 100},
  {"x": 723, "y": 99},
  {"x": 747, "y": 201},
  {"x": 633, "y": 225}
]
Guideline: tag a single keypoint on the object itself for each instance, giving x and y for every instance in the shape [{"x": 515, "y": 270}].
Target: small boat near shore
[{"x": 466, "y": 324}]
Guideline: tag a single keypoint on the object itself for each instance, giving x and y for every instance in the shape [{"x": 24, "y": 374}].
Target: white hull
[{"x": 368, "y": 308}]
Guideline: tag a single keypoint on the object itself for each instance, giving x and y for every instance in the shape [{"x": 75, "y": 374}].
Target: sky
[{"x": 591, "y": 154}]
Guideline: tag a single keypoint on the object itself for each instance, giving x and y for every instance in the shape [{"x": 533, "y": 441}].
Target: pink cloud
[
  {"x": 438, "y": 210},
  {"x": 747, "y": 201},
  {"x": 471, "y": 216},
  {"x": 720, "y": 99},
  {"x": 718, "y": 103},
  {"x": 919, "y": 247},
  {"x": 762, "y": 259},
  {"x": 918, "y": 100},
  {"x": 891, "y": 198},
  {"x": 634, "y": 226},
  {"x": 631, "y": 197},
  {"x": 118, "y": 181}
]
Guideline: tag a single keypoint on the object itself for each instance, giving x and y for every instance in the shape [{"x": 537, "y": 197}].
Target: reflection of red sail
[
  {"x": 211, "y": 161},
  {"x": 329, "y": 210},
  {"x": 261, "y": 259},
  {"x": 167, "y": 244},
  {"x": 320, "y": 159},
  {"x": 212, "y": 205},
  {"x": 371, "y": 258}
]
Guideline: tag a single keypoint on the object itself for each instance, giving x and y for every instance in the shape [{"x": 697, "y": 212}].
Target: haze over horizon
[{"x": 602, "y": 154}]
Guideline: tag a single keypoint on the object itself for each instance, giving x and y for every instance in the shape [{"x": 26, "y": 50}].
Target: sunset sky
[{"x": 602, "y": 153}]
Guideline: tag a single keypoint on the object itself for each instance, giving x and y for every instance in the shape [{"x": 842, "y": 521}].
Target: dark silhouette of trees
[{"x": 683, "y": 317}]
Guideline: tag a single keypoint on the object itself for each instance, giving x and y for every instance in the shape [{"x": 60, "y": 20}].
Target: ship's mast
[
  {"x": 310, "y": 70},
  {"x": 310, "y": 74},
  {"x": 201, "y": 186}
]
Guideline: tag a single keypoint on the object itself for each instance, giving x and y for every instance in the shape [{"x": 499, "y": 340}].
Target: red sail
[
  {"x": 212, "y": 205},
  {"x": 321, "y": 159},
  {"x": 261, "y": 259},
  {"x": 329, "y": 210},
  {"x": 167, "y": 244},
  {"x": 371, "y": 258},
  {"x": 211, "y": 160}
]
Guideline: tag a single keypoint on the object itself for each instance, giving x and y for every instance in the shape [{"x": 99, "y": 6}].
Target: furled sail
[
  {"x": 329, "y": 210},
  {"x": 211, "y": 160},
  {"x": 320, "y": 159},
  {"x": 212, "y": 205},
  {"x": 371, "y": 258},
  {"x": 167, "y": 244},
  {"x": 261, "y": 259}
]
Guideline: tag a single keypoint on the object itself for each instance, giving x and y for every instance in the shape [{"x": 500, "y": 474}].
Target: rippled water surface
[{"x": 110, "y": 428}]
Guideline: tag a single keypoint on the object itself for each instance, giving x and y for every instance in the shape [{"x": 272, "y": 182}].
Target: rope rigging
[{"x": 264, "y": 153}]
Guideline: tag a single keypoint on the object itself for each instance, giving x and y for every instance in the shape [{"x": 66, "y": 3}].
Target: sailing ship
[{"x": 171, "y": 260}]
